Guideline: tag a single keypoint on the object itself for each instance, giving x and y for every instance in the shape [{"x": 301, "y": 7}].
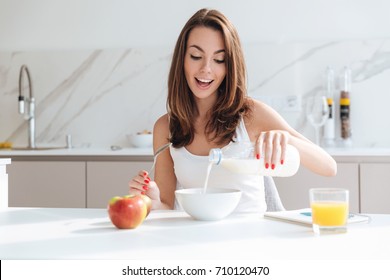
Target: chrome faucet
[{"x": 30, "y": 102}]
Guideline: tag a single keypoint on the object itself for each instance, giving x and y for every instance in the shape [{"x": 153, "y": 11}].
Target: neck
[{"x": 204, "y": 106}]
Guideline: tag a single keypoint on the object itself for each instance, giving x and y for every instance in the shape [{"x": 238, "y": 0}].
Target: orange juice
[{"x": 329, "y": 213}]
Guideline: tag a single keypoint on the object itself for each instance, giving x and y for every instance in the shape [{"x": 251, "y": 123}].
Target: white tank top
[{"x": 191, "y": 172}]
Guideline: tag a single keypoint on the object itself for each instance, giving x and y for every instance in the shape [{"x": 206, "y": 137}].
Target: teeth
[{"x": 204, "y": 81}]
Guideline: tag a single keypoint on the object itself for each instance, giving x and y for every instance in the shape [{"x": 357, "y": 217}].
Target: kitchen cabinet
[
  {"x": 46, "y": 184},
  {"x": 69, "y": 184},
  {"x": 294, "y": 191},
  {"x": 108, "y": 179},
  {"x": 375, "y": 187},
  {"x": 90, "y": 180},
  {"x": 4, "y": 182}
]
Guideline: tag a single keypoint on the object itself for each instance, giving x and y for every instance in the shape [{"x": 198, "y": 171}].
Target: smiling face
[{"x": 204, "y": 62}]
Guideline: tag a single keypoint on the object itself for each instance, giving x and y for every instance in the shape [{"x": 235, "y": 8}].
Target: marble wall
[{"x": 99, "y": 96}]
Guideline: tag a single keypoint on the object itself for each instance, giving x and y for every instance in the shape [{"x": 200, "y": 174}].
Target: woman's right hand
[{"x": 142, "y": 184}]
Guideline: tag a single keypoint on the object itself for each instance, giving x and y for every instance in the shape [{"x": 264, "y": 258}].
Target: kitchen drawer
[
  {"x": 108, "y": 179},
  {"x": 294, "y": 191},
  {"x": 375, "y": 188},
  {"x": 46, "y": 184}
]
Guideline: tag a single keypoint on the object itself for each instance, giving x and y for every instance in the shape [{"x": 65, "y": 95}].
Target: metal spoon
[{"x": 159, "y": 151}]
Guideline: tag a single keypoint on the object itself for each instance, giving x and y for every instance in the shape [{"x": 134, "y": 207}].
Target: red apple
[
  {"x": 127, "y": 212},
  {"x": 148, "y": 202}
]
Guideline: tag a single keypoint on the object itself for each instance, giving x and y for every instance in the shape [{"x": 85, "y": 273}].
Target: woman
[{"x": 208, "y": 107}]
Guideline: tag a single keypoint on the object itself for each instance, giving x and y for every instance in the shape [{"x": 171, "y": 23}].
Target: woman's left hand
[{"x": 272, "y": 146}]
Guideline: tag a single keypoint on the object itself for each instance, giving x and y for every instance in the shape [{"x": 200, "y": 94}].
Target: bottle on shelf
[
  {"x": 345, "y": 107},
  {"x": 239, "y": 157},
  {"x": 329, "y": 127}
]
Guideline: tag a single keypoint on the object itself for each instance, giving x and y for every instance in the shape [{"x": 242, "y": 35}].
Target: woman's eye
[
  {"x": 194, "y": 57},
  {"x": 219, "y": 61}
]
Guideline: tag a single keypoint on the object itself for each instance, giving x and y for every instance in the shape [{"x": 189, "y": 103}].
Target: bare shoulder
[
  {"x": 261, "y": 109},
  {"x": 263, "y": 116},
  {"x": 161, "y": 130},
  {"x": 161, "y": 124}
]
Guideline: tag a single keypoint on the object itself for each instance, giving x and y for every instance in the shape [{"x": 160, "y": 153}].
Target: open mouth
[{"x": 203, "y": 82}]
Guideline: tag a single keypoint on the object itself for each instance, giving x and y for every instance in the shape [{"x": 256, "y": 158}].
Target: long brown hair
[{"x": 232, "y": 101}]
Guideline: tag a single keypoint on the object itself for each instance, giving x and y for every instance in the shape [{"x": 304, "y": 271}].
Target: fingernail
[
  {"x": 145, "y": 188},
  {"x": 258, "y": 156},
  {"x": 266, "y": 165},
  {"x": 143, "y": 193},
  {"x": 149, "y": 179},
  {"x": 282, "y": 161},
  {"x": 273, "y": 166},
  {"x": 146, "y": 181},
  {"x": 145, "y": 174}
]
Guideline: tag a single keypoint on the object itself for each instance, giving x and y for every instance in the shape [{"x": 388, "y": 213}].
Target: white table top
[
  {"x": 54, "y": 233},
  {"x": 4, "y": 161}
]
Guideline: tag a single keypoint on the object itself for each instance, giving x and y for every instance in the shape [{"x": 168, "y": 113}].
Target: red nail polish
[
  {"x": 145, "y": 188},
  {"x": 282, "y": 161},
  {"x": 145, "y": 174},
  {"x": 266, "y": 165},
  {"x": 258, "y": 156},
  {"x": 272, "y": 166},
  {"x": 143, "y": 193}
]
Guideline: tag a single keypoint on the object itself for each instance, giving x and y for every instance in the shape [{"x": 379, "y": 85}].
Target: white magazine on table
[{"x": 303, "y": 216}]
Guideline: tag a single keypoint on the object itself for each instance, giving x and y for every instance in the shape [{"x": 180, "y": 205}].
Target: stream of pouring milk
[
  {"x": 240, "y": 166},
  {"x": 207, "y": 177}
]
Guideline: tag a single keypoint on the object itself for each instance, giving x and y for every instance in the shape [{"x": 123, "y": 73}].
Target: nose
[{"x": 206, "y": 66}]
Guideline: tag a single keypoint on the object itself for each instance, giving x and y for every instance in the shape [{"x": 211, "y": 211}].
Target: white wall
[
  {"x": 99, "y": 67},
  {"x": 91, "y": 24}
]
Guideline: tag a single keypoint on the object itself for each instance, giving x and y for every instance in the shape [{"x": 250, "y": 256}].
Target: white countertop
[
  {"x": 55, "y": 233},
  {"x": 358, "y": 151},
  {"x": 107, "y": 151},
  {"x": 149, "y": 152},
  {"x": 354, "y": 152},
  {"x": 80, "y": 152}
]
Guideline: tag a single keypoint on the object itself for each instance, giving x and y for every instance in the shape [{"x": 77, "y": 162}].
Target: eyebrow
[{"x": 200, "y": 49}]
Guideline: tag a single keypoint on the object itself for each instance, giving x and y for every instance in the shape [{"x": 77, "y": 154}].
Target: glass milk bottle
[{"x": 240, "y": 158}]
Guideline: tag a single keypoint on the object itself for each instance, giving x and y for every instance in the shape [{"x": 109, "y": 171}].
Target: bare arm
[
  {"x": 162, "y": 190},
  {"x": 164, "y": 175},
  {"x": 268, "y": 128}
]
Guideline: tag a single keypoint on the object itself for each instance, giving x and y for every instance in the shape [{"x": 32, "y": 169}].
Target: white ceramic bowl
[
  {"x": 215, "y": 204},
  {"x": 140, "y": 140}
]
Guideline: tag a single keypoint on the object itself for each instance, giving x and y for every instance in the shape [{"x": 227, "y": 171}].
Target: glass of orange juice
[{"x": 329, "y": 210}]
